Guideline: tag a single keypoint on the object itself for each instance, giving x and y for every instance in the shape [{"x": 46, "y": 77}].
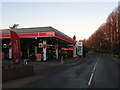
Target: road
[
  {"x": 0, "y": 73},
  {"x": 97, "y": 71}
]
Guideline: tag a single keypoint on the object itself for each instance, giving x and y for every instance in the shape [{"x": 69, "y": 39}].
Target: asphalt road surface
[
  {"x": 0, "y": 73},
  {"x": 97, "y": 71}
]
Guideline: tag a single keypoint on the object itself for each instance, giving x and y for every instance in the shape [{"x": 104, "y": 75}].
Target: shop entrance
[{"x": 51, "y": 54}]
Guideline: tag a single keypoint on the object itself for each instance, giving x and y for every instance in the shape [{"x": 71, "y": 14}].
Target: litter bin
[{"x": 38, "y": 57}]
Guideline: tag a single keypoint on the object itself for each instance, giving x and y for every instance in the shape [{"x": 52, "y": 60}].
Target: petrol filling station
[{"x": 46, "y": 41}]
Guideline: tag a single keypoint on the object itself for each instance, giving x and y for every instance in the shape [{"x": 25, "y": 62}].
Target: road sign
[{"x": 79, "y": 48}]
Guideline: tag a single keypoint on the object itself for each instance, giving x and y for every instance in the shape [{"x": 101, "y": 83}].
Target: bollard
[{"x": 62, "y": 59}]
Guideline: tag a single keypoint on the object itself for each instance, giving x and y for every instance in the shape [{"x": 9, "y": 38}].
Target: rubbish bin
[{"x": 38, "y": 57}]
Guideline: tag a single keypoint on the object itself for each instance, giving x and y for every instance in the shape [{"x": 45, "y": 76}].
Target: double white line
[{"x": 90, "y": 80}]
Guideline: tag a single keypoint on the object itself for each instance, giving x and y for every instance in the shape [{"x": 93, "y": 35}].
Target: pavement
[
  {"x": 74, "y": 74},
  {"x": 39, "y": 66}
]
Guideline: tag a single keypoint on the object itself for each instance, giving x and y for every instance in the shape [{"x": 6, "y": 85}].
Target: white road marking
[
  {"x": 94, "y": 68},
  {"x": 90, "y": 80}
]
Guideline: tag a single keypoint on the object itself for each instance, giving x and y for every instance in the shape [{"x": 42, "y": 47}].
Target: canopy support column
[
  {"x": 74, "y": 51},
  {"x": 44, "y": 50},
  {"x": 56, "y": 50}
]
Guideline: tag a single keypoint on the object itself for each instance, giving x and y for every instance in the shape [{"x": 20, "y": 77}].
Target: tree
[{"x": 107, "y": 37}]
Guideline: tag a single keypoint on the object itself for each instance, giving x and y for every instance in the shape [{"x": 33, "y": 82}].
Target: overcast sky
[{"x": 72, "y": 18}]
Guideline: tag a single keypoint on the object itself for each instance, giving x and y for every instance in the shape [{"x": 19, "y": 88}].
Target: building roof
[{"x": 36, "y": 30}]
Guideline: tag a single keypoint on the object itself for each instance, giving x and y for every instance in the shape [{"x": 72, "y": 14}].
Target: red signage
[
  {"x": 40, "y": 34},
  {"x": 15, "y": 42},
  {"x": 67, "y": 48},
  {"x": 65, "y": 38},
  {"x": 30, "y": 35}
]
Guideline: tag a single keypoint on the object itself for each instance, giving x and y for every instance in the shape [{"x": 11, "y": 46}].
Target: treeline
[{"x": 107, "y": 38}]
